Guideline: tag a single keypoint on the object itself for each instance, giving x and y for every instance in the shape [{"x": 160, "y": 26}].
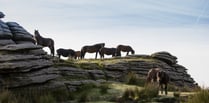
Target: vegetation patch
[
  {"x": 202, "y": 96},
  {"x": 34, "y": 95},
  {"x": 133, "y": 79}
]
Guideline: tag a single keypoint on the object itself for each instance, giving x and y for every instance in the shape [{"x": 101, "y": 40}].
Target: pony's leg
[
  {"x": 161, "y": 88},
  {"x": 96, "y": 55},
  {"x": 103, "y": 55},
  {"x": 100, "y": 53},
  {"x": 51, "y": 47},
  {"x": 82, "y": 54},
  {"x": 166, "y": 91},
  {"x": 127, "y": 53},
  {"x": 51, "y": 50}
]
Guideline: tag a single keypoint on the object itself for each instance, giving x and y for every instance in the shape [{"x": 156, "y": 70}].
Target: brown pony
[
  {"x": 159, "y": 76},
  {"x": 124, "y": 48},
  {"x": 45, "y": 42},
  {"x": 91, "y": 49},
  {"x": 107, "y": 51},
  {"x": 77, "y": 54}
]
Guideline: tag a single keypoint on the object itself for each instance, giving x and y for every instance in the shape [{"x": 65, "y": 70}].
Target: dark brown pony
[
  {"x": 107, "y": 51},
  {"x": 91, "y": 49},
  {"x": 159, "y": 76},
  {"x": 124, "y": 48},
  {"x": 77, "y": 54},
  {"x": 45, "y": 42},
  {"x": 65, "y": 52}
]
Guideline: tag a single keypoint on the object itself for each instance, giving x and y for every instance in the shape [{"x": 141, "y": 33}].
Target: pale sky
[{"x": 180, "y": 27}]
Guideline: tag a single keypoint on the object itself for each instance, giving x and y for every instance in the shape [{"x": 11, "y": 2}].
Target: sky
[{"x": 180, "y": 27}]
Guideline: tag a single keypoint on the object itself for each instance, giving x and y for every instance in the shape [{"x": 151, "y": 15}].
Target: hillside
[{"x": 25, "y": 66}]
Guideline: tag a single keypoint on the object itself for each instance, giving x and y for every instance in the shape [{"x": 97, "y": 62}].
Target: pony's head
[
  {"x": 161, "y": 75},
  {"x": 36, "y": 33},
  {"x": 102, "y": 45},
  {"x": 132, "y": 51}
]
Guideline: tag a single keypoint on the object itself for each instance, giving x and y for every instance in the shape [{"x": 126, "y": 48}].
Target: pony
[
  {"x": 45, "y": 42},
  {"x": 65, "y": 52},
  {"x": 159, "y": 76},
  {"x": 124, "y": 48},
  {"x": 107, "y": 51},
  {"x": 77, "y": 54},
  {"x": 91, "y": 49}
]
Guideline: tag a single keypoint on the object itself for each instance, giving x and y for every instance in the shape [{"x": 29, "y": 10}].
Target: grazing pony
[
  {"x": 107, "y": 51},
  {"x": 65, "y": 52},
  {"x": 91, "y": 49},
  {"x": 124, "y": 48},
  {"x": 77, "y": 54},
  {"x": 45, "y": 42},
  {"x": 159, "y": 76}
]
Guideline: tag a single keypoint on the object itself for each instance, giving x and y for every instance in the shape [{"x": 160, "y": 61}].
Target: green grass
[
  {"x": 133, "y": 79},
  {"x": 100, "y": 63},
  {"x": 109, "y": 92},
  {"x": 34, "y": 95},
  {"x": 7, "y": 97},
  {"x": 202, "y": 96}
]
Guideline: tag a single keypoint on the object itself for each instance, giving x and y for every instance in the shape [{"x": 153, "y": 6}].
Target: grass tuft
[{"x": 201, "y": 96}]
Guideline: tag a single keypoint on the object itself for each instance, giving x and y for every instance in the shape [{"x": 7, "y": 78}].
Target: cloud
[{"x": 111, "y": 13}]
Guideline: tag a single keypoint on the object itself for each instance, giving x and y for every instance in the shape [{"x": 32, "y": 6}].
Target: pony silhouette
[
  {"x": 65, "y": 52},
  {"x": 45, "y": 42},
  {"x": 91, "y": 49},
  {"x": 159, "y": 76},
  {"x": 124, "y": 48},
  {"x": 107, "y": 51}
]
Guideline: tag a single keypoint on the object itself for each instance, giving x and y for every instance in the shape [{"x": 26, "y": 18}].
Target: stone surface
[
  {"x": 5, "y": 32},
  {"x": 4, "y": 42},
  {"x": 1, "y": 14},
  {"x": 19, "y": 33},
  {"x": 19, "y": 47},
  {"x": 166, "y": 57}
]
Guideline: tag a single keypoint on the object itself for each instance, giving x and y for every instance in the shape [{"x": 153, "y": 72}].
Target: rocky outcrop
[
  {"x": 20, "y": 35},
  {"x": 166, "y": 57},
  {"x": 5, "y": 34},
  {"x": 1, "y": 15},
  {"x": 24, "y": 64}
]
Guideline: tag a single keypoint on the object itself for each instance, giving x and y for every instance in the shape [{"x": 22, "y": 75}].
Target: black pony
[
  {"x": 65, "y": 52},
  {"x": 124, "y": 48},
  {"x": 45, "y": 42},
  {"x": 91, "y": 49},
  {"x": 107, "y": 51}
]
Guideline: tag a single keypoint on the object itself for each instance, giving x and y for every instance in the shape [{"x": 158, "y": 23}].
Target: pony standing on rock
[
  {"x": 124, "y": 48},
  {"x": 159, "y": 76},
  {"x": 65, "y": 52},
  {"x": 91, "y": 49},
  {"x": 45, "y": 42},
  {"x": 107, "y": 51}
]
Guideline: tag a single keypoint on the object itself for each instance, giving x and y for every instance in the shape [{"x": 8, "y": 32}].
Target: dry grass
[{"x": 202, "y": 96}]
